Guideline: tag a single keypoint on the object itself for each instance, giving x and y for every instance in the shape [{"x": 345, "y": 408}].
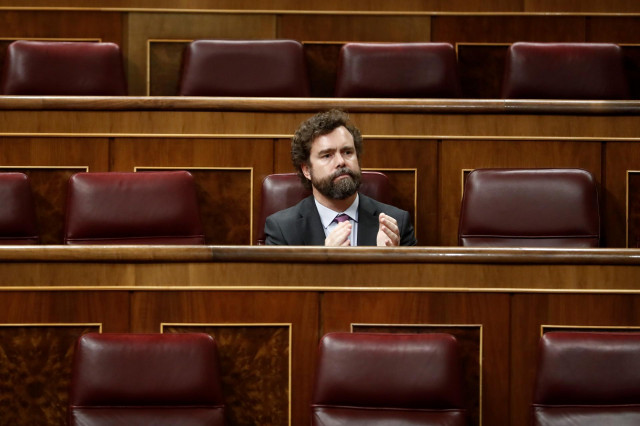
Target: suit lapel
[
  {"x": 310, "y": 224},
  {"x": 367, "y": 222}
]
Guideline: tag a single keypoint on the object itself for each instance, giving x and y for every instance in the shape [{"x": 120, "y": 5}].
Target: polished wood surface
[{"x": 268, "y": 306}]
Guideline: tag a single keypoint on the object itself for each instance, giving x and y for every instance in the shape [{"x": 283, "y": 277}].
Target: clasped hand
[{"x": 388, "y": 233}]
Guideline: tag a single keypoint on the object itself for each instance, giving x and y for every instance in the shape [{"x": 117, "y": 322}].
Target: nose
[{"x": 339, "y": 160}]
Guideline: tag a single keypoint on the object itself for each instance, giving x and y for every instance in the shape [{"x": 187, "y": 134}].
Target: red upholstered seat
[
  {"x": 133, "y": 208},
  {"x": 565, "y": 71},
  {"x": 588, "y": 379},
  {"x": 378, "y": 379},
  {"x": 529, "y": 208},
  {"x": 146, "y": 379},
  {"x": 280, "y": 191},
  {"x": 18, "y": 224},
  {"x": 274, "y": 68},
  {"x": 44, "y": 68},
  {"x": 397, "y": 70}
]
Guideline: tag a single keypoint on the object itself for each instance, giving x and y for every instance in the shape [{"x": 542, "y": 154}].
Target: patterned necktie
[{"x": 342, "y": 217}]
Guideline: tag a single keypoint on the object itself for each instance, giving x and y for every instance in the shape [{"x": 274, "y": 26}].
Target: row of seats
[
  {"x": 583, "y": 378},
  {"x": 277, "y": 68},
  {"x": 500, "y": 207},
  {"x": 109, "y": 208}
]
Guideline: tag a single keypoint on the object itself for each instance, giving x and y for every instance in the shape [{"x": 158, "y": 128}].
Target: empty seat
[
  {"x": 587, "y": 379},
  {"x": 146, "y": 379},
  {"x": 565, "y": 71},
  {"x": 283, "y": 190},
  {"x": 46, "y": 68},
  {"x": 18, "y": 224},
  {"x": 529, "y": 208},
  {"x": 133, "y": 208},
  {"x": 274, "y": 68},
  {"x": 381, "y": 379},
  {"x": 398, "y": 70}
]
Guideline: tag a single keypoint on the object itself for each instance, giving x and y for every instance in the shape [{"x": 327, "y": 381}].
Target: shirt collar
[{"x": 327, "y": 215}]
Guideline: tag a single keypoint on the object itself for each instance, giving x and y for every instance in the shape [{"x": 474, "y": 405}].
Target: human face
[{"x": 334, "y": 169}]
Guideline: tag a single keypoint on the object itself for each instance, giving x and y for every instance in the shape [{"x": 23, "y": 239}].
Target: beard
[{"x": 344, "y": 188}]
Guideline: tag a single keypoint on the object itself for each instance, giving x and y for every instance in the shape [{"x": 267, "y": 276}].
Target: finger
[{"x": 394, "y": 236}]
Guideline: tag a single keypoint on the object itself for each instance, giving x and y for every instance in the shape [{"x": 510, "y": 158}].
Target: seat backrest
[
  {"x": 54, "y": 68},
  {"x": 380, "y": 379},
  {"x": 397, "y": 70},
  {"x": 587, "y": 378},
  {"x": 273, "y": 68},
  {"x": 529, "y": 208},
  {"x": 565, "y": 71},
  {"x": 136, "y": 379},
  {"x": 133, "y": 208},
  {"x": 18, "y": 223},
  {"x": 283, "y": 190}
]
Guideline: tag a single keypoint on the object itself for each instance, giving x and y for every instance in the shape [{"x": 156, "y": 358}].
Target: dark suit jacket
[{"x": 300, "y": 225}]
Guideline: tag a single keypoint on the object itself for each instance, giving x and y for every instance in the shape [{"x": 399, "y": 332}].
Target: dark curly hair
[{"x": 318, "y": 125}]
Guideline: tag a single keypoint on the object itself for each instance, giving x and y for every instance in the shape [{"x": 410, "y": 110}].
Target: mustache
[{"x": 343, "y": 171}]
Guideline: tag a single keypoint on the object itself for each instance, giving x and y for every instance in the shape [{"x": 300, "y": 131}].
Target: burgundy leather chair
[
  {"x": 529, "y": 208},
  {"x": 55, "y": 68},
  {"x": 280, "y": 191},
  {"x": 18, "y": 223},
  {"x": 144, "y": 379},
  {"x": 272, "y": 68},
  {"x": 378, "y": 379},
  {"x": 133, "y": 208},
  {"x": 587, "y": 379},
  {"x": 397, "y": 70},
  {"x": 565, "y": 71}
]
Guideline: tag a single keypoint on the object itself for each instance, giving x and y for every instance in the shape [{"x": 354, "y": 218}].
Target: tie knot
[{"x": 342, "y": 217}]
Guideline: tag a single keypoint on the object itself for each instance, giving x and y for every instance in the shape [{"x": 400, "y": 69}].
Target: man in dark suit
[{"x": 325, "y": 151}]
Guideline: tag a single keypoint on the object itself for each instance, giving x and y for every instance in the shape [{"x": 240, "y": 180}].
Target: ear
[{"x": 305, "y": 170}]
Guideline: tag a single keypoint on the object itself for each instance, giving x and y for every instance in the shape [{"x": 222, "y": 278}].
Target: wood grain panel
[
  {"x": 614, "y": 29},
  {"x": 340, "y": 310},
  {"x": 165, "y": 62},
  {"x": 35, "y": 366},
  {"x": 343, "y": 28},
  {"x": 507, "y": 29},
  {"x": 457, "y": 156},
  {"x": 225, "y": 193},
  {"x": 531, "y": 311},
  {"x": 255, "y": 368},
  {"x": 583, "y": 6},
  {"x": 469, "y": 340},
  {"x": 248, "y": 309},
  {"x": 633, "y": 209},
  {"x": 481, "y": 69},
  {"x": 142, "y": 27},
  {"x": 621, "y": 158},
  {"x": 322, "y": 66},
  {"x": 632, "y": 68},
  {"x": 65, "y": 24}
]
